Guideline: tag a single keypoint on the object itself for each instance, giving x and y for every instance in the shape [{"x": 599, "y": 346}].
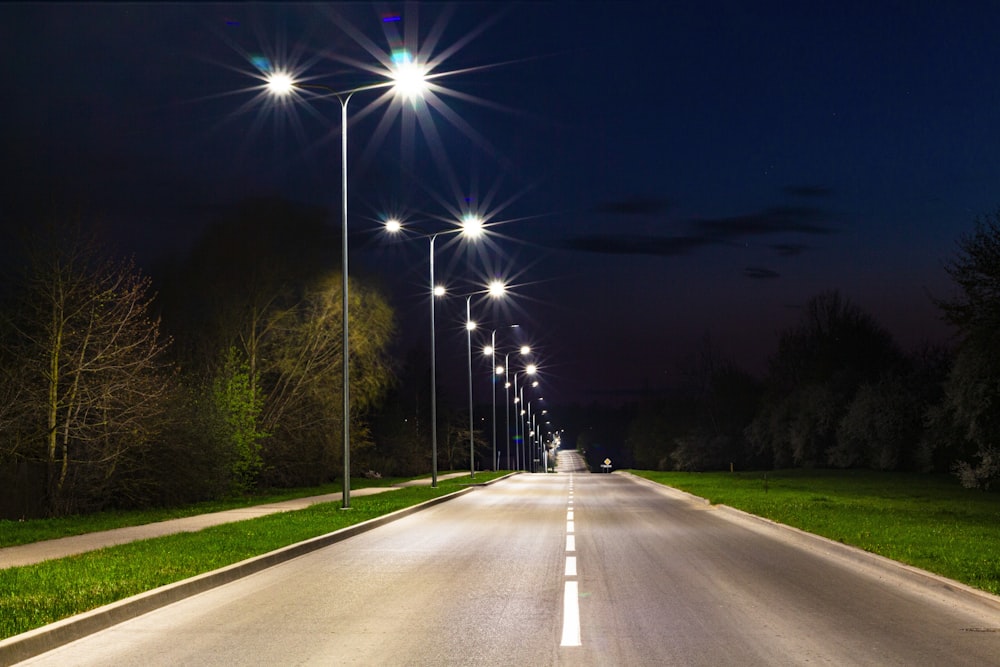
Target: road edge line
[{"x": 941, "y": 587}]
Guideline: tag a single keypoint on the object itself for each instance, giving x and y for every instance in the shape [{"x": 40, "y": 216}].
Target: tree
[
  {"x": 300, "y": 365},
  {"x": 92, "y": 364},
  {"x": 975, "y": 311},
  {"x": 972, "y": 392},
  {"x": 262, "y": 281},
  {"x": 821, "y": 362},
  {"x": 238, "y": 401}
]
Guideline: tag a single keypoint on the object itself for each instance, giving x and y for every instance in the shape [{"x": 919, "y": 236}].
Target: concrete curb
[
  {"x": 35, "y": 642},
  {"x": 885, "y": 569}
]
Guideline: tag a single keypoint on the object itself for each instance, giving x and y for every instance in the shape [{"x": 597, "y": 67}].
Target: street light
[
  {"x": 471, "y": 226},
  {"x": 496, "y": 289},
  {"x": 529, "y": 369},
  {"x": 491, "y": 352},
  {"x": 407, "y": 79}
]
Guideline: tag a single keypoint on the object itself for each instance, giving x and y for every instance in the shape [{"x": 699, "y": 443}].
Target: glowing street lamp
[
  {"x": 471, "y": 227},
  {"x": 407, "y": 79},
  {"x": 496, "y": 289},
  {"x": 529, "y": 369},
  {"x": 491, "y": 351}
]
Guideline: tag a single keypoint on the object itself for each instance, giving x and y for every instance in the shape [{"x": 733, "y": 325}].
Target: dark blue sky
[{"x": 672, "y": 169}]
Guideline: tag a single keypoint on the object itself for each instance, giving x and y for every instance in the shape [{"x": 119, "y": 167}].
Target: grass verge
[
  {"x": 926, "y": 521},
  {"x": 14, "y": 533},
  {"x": 35, "y": 595}
]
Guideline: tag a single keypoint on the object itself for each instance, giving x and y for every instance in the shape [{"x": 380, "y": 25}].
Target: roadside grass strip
[
  {"x": 927, "y": 521},
  {"x": 15, "y": 533},
  {"x": 35, "y": 595}
]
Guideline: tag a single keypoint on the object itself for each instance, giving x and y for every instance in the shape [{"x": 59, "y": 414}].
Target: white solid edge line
[{"x": 571, "y": 615}]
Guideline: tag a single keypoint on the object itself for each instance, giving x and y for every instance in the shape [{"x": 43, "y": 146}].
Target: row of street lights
[
  {"x": 471, "y": 227},
  {"x": 406, "y": 79}
]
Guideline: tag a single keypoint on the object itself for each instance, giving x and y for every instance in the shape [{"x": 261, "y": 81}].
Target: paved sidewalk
[{"x": 27, "y": 554}]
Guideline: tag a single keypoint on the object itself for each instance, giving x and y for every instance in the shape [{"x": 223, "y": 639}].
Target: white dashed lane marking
[{"x": 571, "y": 592}]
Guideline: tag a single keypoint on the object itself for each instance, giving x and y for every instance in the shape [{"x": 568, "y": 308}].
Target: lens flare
[
  {"x": 280, "y": 83},
  {"x": 410, "y": 78}
]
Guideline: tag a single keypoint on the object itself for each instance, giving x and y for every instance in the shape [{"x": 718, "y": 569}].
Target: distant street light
[
  {"x": 407, "y": 79},
  {"x": 491, "y": 352},
  {"x": 529, "y": 369},
  {"x": 496, "y": 289}
]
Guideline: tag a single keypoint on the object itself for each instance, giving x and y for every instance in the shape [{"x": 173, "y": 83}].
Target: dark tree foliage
[
  {"x": 401, "y": 431},
  {"x": 653, "y": 432},
  {"x": 972, "y": 393},
  {"x": 261, "y": 255},
  {"x": 92, "y": 378},
  {"x": 820, "y": 364},
  {"x": 262, "y": 281},
  {"x": 975, "y": 311}
]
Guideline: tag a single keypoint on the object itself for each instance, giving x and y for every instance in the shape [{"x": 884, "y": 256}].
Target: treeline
[
  {"x": 220, "y": 373},
  {"x": 838, "y": 392}
]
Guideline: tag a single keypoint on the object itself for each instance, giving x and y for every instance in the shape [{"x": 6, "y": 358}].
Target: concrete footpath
[{"x": 28, "y": 554}]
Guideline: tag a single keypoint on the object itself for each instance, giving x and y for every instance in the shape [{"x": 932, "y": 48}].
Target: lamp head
[
  {"x": 280, "y": 83},
  {"x": 497, "y": 289},
  {"x": 472, "y": 226},
  {"x": 409, "y": 77}
]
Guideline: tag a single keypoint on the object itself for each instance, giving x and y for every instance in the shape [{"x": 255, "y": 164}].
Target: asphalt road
[{"x": 564, "y": 569}]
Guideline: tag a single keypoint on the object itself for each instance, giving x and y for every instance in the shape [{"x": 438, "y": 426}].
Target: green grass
[
  {"x": 926, "y": 521},
  {"x": 35, "y": 595},
  {"x": 13, "y": 533}
]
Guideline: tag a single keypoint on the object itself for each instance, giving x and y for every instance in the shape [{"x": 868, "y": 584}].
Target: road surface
[{"x": 558, "y": 569}]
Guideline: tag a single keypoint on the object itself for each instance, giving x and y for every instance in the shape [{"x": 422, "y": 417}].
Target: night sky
[{"x": 655, "y": 173}]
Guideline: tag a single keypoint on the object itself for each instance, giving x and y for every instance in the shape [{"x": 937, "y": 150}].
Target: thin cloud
[
  {"x": 662, "y": 246},
  {"x": 789, "y": 249},
  {"x": 774, "y": 220},
  {"x": 812, "y": 191},
  {"x": 758, "y": 273},
  {"x": 637, "y": 206}
]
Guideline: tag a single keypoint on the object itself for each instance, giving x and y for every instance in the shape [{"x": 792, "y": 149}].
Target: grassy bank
[
  {"x": 13, "y": 533},
  {"x": 926, "y": 521},
  {"x": 36, "y": 595}
]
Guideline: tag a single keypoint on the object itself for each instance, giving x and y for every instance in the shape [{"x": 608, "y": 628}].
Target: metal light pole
[
  {"x": 432, "y": 292},
  {"x": 493, "y": 387},
  {"x": 506, "y": 404},
  {"x": 491, "y": 350},
  {"x": 469, "y": 326},
  {"x": 471, "y": 227},
  {"x": 524, "y": 434},
  {"x": 515, "y": 406},
  {"x": 412, "y": 80}
]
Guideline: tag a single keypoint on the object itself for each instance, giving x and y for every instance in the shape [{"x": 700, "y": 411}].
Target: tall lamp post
[
  {"x": 407, "y": 79},
  {"x": 506, "y": 403},
  {"x": 496, "y": 371},
  {"x": 496, "y": 289},
  {"x": 520, "y": 413},
  {"x": 471, "y": 227},
  {"x": 469, "y": 326}
]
